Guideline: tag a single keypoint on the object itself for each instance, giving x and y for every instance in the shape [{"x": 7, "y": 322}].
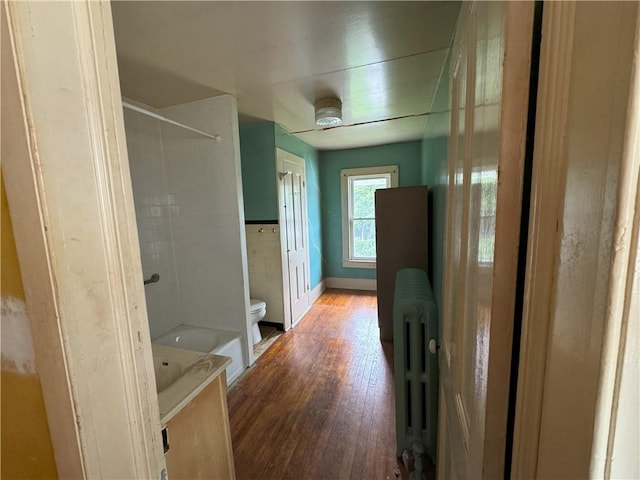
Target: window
[{"x": 358, "y": 212}]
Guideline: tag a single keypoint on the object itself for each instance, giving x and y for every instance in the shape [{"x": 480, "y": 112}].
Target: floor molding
[
  {"x": 276, "y": 325},
  {"x": 351, "y": 283},
  {"x": 316, "y": 292}
]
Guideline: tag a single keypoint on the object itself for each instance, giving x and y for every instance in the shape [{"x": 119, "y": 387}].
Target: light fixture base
[{"x": 328, "y": 112}]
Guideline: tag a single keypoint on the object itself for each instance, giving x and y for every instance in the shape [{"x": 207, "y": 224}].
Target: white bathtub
[{"x": 207, "y": 340}]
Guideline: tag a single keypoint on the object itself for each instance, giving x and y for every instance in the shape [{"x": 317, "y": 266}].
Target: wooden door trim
[
  {"x": 69, "y": 191},
  {"x": 283, "y": 244},
  {"x": 624, "y": 281},
  {"x": 547, "y": 196},
  {"x": 18, "y": 176},
  {"x": 518, "y": 24}
]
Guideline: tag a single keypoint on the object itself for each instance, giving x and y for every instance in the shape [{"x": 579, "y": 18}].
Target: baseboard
[
  {"x": 277, "y": 326},
  {"x": 351, "y": 283},
  {"x": 293, "y": 324},
  {"x": 316, "y": 292}
]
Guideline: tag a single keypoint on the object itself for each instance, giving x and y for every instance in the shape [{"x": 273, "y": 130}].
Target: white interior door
[
  {"x": 490, "y": 67},
  {"x": 293, "y": 221}
]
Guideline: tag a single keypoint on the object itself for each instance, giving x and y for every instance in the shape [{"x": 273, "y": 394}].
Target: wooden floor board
[{"x": 319, "y": 404}]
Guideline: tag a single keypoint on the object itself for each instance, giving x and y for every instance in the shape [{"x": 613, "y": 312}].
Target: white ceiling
[{"x": 382, "y": 59}]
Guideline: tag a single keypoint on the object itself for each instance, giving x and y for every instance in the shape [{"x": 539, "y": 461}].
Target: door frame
[
  {"x": 614, "y": 393},
  {"x": 551, "y": 163},
  {"x": 68, "y": 186},
  {"x": 546, "y": 194},
  {"x": 282, "y": 155}
]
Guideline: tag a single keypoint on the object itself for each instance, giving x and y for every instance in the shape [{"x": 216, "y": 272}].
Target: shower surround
[{"x": 188, "y": 200}]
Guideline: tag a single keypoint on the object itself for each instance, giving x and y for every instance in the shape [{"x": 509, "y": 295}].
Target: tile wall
[
  {"x": 155, "y": 210},
  {"x": 209, "y": 238},
  {"x": 265, "y": 268},
  {"x": 188, "y": 196}
]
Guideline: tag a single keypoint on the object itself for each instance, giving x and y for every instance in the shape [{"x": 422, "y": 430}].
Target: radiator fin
[{"x": 415, "y": 322}]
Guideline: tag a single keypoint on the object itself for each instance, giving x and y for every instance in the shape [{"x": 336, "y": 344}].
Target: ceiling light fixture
[{"x": 328, "y": 112}]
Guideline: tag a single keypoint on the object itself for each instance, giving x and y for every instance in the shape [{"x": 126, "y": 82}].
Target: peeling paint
[{"x": 17, "y": 345}]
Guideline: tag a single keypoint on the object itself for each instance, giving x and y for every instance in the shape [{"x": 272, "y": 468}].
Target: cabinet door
[{"x": 200, "y": 438}]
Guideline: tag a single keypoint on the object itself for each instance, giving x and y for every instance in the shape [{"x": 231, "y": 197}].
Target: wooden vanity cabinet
[{"x": 200, "y": 438}]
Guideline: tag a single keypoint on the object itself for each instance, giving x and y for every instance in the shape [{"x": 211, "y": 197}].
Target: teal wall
[
  {"x": 294, "y": 145},
  {"x": 406, "y": 155},
  {"x": 434, "y": 167},
  {"x": 258, "y": 144},
  {"x": 420, "y": 162},
  {"x": 435, "y": 151},
  {"x": 257, "y": 155}
]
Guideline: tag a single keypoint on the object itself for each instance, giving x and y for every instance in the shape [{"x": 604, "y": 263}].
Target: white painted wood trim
[
  {"x": 547, "y": 195},
  {"x": 69, "y": 192},
  {"x": 280, "y": 155},
  {"x": 351, "y": 283},
  {"x": 286, "y": 300},
  {"x": 317, "y": 291},
  {"x": 15, "y": 154},
  {"x": 623, "y": 304},
  {"x": 392, "y": 171},
  {"x": 518, "y": 25}
]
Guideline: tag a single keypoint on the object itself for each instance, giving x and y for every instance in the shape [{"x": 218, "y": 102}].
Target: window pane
[
  {"x": 364, "y": 239},
  {"x": 363, "y": 196}
]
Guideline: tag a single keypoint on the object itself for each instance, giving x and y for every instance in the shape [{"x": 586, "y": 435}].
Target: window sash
[
  {"x": 352, "y": 179},
  {"x": 351, "y": 223}
]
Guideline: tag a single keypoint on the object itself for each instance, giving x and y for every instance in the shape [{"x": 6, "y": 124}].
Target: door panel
[
  {"x": 294, "y": 224},
  {"x": 486, "y": 156}
]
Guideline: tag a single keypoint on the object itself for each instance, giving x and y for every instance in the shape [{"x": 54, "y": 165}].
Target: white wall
[
  {"x": 155, "y": 207},
  {"x": 188, "y": 200}
]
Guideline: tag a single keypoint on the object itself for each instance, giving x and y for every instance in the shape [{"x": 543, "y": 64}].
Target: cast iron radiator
[{"x": 415, "y": 360}]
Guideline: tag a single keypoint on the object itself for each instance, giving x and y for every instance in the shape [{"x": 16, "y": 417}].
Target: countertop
[{"x": 199, "y": 370}]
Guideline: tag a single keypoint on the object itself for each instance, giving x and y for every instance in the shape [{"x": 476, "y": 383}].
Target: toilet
[{"x": 257, "y": 311}]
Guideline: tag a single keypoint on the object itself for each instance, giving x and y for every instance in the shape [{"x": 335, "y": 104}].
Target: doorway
[{"x": 292, "y": 210}]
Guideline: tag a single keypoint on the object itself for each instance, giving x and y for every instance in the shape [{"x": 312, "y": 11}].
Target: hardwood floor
[{"x": 319, "y": 404}]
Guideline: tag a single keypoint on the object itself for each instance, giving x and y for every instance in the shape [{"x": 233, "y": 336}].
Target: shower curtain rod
[{"x": 157, "y": 116}]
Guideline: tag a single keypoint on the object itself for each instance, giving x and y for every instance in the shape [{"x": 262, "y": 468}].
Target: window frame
[{"x": 347, "y": 176}]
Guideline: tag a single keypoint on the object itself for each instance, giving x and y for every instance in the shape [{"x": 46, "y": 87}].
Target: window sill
[{"x": 358, "y": 264}]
